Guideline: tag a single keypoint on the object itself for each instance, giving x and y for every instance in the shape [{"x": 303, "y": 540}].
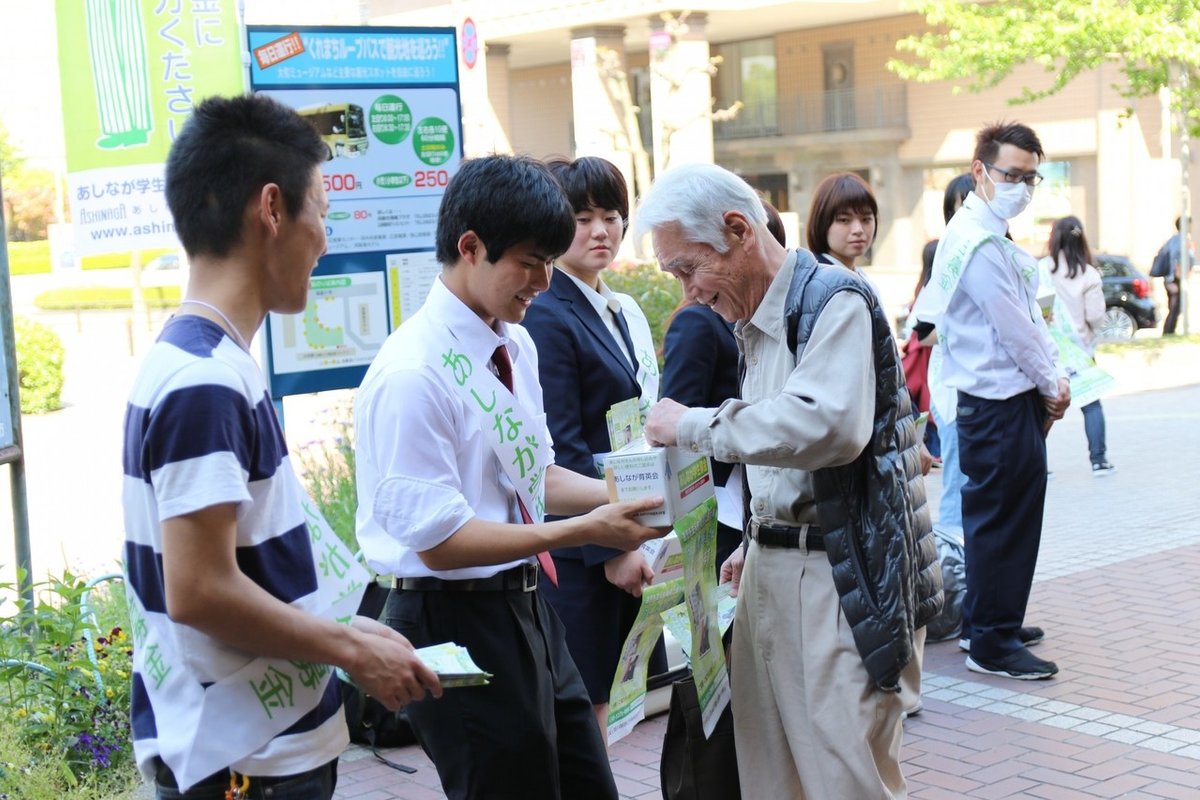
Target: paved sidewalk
[{"x": 1118, "y": 591}]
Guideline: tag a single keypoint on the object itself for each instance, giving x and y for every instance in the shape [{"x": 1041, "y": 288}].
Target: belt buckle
[{"x": 529, "y": 577}]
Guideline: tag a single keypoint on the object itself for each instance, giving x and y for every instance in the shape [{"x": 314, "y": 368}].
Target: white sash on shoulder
[
  {"x": 948, "y": 269},
  {"x": 519, "y": 443},
  {"x": 934, "y": 299},
  {"x": 214, "y": 728}
]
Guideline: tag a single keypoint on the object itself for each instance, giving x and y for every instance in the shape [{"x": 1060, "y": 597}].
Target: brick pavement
[{"x": 1118, "y": 590}]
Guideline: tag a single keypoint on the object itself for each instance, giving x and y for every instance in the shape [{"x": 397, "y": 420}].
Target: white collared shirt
[
  {"x": 996, "y": 344},
  {"x": 834, "y": 261},
  {"x": 607, "y": 305},
  {"x": 424, "y": 465}
]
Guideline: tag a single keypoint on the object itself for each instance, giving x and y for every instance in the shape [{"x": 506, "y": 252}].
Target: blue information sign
[{"x": 386, "y": 103}]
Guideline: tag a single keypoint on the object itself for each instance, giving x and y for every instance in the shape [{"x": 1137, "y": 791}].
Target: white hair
[{"x": 696, "y": 197}]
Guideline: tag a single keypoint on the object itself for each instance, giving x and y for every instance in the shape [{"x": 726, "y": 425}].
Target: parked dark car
[{"x": 1128, "y": 306}]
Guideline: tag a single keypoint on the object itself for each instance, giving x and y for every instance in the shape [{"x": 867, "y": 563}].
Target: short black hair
[
  {"x": 592, "y": 182},
  {"x": 991, "y": 137},
  {"x": 844, "y": 191},
  {"x": 956, "y": 192},
  {"x": 506, "y": 201},
  {"x": 227, "y": 151}
]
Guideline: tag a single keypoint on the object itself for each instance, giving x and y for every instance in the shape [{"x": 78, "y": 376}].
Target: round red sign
[{"x": 470, "y": 43}]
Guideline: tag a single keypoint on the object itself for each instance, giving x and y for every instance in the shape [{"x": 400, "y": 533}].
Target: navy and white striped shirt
[{"x": 200, "y": 431}]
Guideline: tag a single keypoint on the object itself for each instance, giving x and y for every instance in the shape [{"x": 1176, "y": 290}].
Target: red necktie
[{"x": 503, "y": 366}]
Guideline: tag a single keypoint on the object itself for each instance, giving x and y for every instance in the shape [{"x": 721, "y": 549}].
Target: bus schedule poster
[{"x": 386, "y": 103}]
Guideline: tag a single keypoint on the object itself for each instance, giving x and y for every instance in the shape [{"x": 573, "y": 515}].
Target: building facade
[{"x": 635, "y": 82}]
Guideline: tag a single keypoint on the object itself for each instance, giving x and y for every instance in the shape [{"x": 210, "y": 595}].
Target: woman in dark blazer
[{"x": 594, "y": 349}]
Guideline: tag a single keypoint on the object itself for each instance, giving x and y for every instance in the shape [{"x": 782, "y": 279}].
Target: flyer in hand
[
  {"x": 453, "y": 665},
  {"x": 1089, "y": 382},
  {"x": 694, "y": 597}
]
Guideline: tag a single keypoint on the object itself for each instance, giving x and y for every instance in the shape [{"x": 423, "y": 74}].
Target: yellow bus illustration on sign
[{"x": 340, "y": 126}]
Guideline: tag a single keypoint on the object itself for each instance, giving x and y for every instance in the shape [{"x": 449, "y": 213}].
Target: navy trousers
[
  {"x": 528, "y": 735},
  {"x": 1002, "y": 451}
]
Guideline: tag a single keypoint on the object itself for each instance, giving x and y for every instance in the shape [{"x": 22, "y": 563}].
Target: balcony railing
[{"x": 819, "y": 112}]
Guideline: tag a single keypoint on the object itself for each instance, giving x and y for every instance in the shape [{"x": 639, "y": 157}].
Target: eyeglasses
[{"x": 1027, "y": 178}]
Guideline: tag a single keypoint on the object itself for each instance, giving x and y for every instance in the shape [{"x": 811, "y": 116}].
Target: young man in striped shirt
[{"x": 219, "y": 559}]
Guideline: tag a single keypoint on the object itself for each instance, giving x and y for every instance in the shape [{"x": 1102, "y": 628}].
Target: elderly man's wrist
[{"x": 691, "y": 432}]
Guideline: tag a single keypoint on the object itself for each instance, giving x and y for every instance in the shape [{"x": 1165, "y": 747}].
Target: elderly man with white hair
[{"x": 834, "y": 580}]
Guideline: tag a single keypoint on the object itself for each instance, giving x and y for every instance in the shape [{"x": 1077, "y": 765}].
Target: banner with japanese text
[
  {"x": 386, "y": 103},
  {"x": 131, "y": 72}
]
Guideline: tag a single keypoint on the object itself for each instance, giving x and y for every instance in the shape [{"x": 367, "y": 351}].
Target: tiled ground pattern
[{"x": 1118, "y": 591}]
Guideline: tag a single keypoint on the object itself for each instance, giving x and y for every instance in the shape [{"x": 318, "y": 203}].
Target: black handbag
[{"x": 693, "y": 767}]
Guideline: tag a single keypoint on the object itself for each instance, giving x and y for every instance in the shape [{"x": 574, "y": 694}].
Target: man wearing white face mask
[{"x": 999, "y": 357}]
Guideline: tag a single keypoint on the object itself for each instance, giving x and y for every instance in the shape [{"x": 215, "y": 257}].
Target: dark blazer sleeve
[
  {"x": 700, "y": 365},
  {"x": 689, "y": 358},
  {"x": 558, "y": 368}
]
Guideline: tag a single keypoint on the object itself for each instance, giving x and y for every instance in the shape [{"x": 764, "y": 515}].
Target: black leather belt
[
  {"x": 522, "y": 578},
  {"x": 218, "y": 781},
  {"x": 787, "y": 537}
]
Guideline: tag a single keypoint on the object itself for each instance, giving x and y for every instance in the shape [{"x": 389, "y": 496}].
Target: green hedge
[
  {"x": 65, "y": 733},
  {"x": 33, "y": 258},
  {"x": 28, "y": 258},
  {"x": 105, "y": 297},
  {"x": 40, "y": 356},
  {"x": 1148, "y": 343},
  {"x": 120, "y": 260},
  {"x": 656, "y": 292}
]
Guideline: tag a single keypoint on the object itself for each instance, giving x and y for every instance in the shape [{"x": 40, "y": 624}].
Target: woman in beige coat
[{"x": 1077, "y": 283}]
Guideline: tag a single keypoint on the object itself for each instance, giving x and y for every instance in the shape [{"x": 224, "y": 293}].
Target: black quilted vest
[{"x": 876, "y": 529}]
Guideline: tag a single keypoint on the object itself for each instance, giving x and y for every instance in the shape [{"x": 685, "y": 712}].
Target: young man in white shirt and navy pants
[
  {"x": 1001, "y": 360},
  {"x": 455, "y": 471}
]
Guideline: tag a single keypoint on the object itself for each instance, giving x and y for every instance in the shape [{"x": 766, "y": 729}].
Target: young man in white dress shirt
[
  {"x": 1001, "y": 360},
  {"x": 449, "y": 463}
]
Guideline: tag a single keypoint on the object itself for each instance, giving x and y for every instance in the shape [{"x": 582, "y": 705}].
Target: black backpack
[
  {"x": 370, "y": 723},
  {"x": 948, "y": 624},
  {"x": 1162, "y": 264}
]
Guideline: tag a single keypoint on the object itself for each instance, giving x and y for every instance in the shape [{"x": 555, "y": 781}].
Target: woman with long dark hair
[{"x": 1078, "y": 285}]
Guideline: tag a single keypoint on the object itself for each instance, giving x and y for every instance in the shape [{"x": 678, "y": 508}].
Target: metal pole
[
  {"x": 14, "y": 456},
  {"x": 1185, "y": 213}
]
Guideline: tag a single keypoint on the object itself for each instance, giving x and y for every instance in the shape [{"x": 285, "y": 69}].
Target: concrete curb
[{"x": 1141, "y": 370}]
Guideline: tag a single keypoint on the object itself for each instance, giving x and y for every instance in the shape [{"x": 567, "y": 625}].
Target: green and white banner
[
  {"x": 131, "y": 73},
  {"x": 697, "y": 612}
]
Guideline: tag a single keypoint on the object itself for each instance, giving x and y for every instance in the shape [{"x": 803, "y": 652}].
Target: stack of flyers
[
  {"x": 453, "y": 665},
  {"x": 624, "y": 423}
]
